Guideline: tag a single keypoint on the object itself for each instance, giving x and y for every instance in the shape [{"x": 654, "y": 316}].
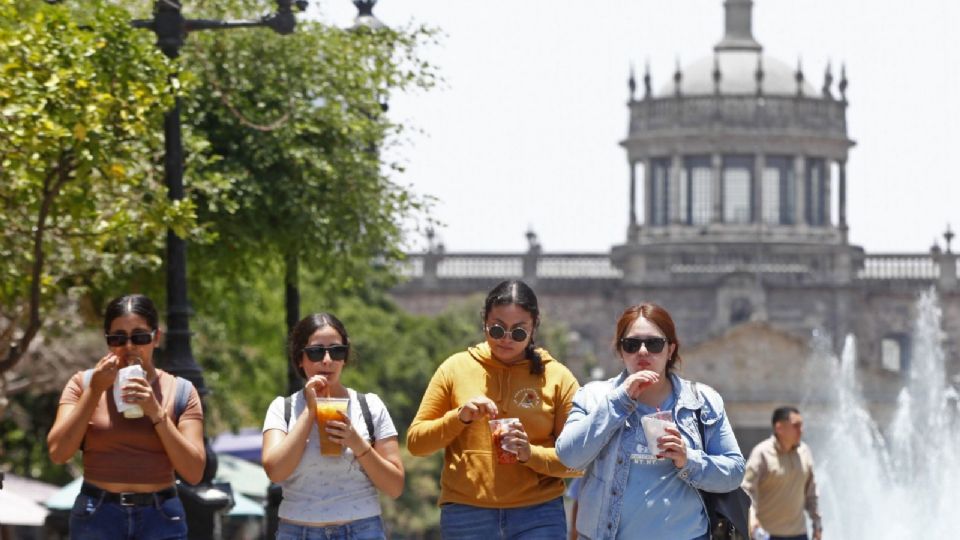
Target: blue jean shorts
[
  {"x": 93, "y": 518},
  {"x": 545, "y": 521},
  {"x": 370, "y": 528}
]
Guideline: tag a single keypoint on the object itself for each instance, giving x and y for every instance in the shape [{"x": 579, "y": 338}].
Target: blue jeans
[
  {"x": 92, "y": 518},
  {"x": 370, "y": 528},
  {"x": 797, "y": 537},
  {"x": 546, "y": 521}
]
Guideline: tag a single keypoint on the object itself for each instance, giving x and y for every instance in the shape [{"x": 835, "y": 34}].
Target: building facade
[{"x": 738, "y": 168}]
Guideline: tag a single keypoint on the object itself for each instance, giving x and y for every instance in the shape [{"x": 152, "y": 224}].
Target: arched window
[
  {"x": 660, "y": 192},
  {"x": 779, "y": 191},
  {"x": 737, "y": 186},
  {"x": 696, "y": 191},
  {"x": 816, "y": 192}
]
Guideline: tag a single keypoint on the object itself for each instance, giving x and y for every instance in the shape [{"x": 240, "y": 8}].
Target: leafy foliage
[{"x": 81, "y": 98}]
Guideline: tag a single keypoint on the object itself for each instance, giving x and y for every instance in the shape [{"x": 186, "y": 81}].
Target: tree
[
  {"x": 80, "y": 106},
  {"x": 295, "y": 124}
]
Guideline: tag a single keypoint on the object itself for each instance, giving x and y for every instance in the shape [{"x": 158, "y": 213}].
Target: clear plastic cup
[
  {"x": 655, "y": 426},
  {"x": 330, "y": 409},
  {"x": 129, "y": 410},
  {"x": 498, "y": 428}
]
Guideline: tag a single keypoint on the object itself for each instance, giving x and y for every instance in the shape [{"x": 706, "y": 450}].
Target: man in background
[{"x": 779, "y": 479}]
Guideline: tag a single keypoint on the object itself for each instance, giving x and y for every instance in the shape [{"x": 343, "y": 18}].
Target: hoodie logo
[{"x": 527, "y": 398}]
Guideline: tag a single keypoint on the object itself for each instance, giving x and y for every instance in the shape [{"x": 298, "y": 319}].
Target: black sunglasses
[
  {"x": 497, "y": 332},
  {"x": 317, "y": 353},
  {"x": 137, "y": 338},
  {"x": 631, "y": 345}
]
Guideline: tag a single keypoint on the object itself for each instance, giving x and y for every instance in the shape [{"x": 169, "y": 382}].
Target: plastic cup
[
  {"x": 655, "y": 426},
  {"x": 129, "y": 410},
  {"x": 498, "y": 428},
  {"x": 330, "y": 409}
]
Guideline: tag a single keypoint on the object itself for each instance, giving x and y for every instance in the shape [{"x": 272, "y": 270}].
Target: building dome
[{"x": 737, "y": 75}]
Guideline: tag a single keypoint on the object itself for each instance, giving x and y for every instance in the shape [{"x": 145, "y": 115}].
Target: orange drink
[
  {"x": 330, "y": 409},
  {"x": 498, "y": 428}
]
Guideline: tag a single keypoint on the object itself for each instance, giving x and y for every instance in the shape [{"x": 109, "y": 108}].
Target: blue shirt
[
  {"x": 592, "y": 440},
  {"x": 656, "y": 505}
]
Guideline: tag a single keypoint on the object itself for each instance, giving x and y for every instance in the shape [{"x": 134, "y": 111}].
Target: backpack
[{"x": 180, "y": 399}]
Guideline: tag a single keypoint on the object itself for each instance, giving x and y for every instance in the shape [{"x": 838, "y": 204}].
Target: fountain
[{"x": 901, "y": 482}]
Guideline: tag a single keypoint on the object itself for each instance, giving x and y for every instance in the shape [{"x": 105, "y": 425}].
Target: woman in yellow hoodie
[{"x": 484, "y": 496}]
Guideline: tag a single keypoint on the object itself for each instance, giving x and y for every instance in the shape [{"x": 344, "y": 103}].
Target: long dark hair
[
  {"x": 301, "y": 333},
  {"x": 516, "y": 292},
  {"x": 136, "y": 304}
]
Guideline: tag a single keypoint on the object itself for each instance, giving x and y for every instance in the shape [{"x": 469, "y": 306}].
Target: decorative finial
[
  {"x": 647, "y": 86},
  {"x": 828, "y": 82},
  {"x": 430, "y": 234},
  {"x": 677, "y": 78},
  {"x": 738, "y": 34},
  {"x": 935, "y": 247},
  {"x": 532, "y": 242},
  {"x": 843, "y": 82},
  {"x": 799, "y": 77},
  {"x": 758, "y": 75},
  {"x": 717, "y": 75},
  {"x": 948, "y": 236},
  {"x": 632, "y": 83}
]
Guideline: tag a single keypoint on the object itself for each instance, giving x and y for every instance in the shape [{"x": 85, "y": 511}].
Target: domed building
[{"x": 738, "y": 226}]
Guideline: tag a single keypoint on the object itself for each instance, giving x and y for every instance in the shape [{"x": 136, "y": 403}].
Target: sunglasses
[
  {"x": 631, "y": 345},
  {"x": 137, "y": 338},
  {"x": 317, "y": 353},
  {"x": 498, "y": 332}
]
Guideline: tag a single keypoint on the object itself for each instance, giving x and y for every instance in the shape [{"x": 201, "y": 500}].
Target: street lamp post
[{"x": 204, "y": 502}]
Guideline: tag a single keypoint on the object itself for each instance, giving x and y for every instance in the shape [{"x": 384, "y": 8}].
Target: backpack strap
[
  {"x": 287, "y": 405},
  {"x": 87, "y": 375},
  {"x": 367, "y": 417},
  {"x": 181, "y": 398}
]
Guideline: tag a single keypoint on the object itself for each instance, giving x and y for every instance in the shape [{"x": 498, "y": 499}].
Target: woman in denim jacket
[{"x": 634, "y": 488}]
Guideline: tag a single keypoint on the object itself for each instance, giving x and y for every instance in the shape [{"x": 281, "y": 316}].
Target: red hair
[{"x": 658, "y": 316}]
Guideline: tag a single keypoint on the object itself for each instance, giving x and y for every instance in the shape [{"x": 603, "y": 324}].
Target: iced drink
[
  {"x": 330, "y": 409},
  {"x": 655, "y": 426},
  {"x": 498, "y": 428},
  {"x": 129, "y": 410}
]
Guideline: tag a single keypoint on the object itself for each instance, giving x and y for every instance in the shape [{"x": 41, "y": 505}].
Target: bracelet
[
  {"x": 162, "y": 418},
  {"x": 365, "y": 452}
]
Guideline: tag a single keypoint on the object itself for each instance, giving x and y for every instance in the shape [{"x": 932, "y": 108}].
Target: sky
[{"x": 524, "y": 131}]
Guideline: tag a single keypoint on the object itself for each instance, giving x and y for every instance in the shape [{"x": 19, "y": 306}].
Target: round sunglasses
[
  {"x": 137, "y": 338},
  {"x": 498, "y": 332},
  {"x": 317, "y": 353},
  {"x": 631, "y": 345}
]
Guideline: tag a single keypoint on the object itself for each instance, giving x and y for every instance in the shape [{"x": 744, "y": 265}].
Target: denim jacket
[{"x": 591, "y": 440}]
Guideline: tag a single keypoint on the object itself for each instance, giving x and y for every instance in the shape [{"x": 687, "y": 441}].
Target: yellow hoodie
[{"x": 471, "y": 474}]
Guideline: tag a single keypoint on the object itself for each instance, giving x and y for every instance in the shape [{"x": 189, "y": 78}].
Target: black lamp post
[{"x": 203, "y": 502}]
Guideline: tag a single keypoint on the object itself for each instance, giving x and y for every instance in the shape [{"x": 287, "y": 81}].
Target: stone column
[
  {"x": 947, "y": 261},
  {"x": 648, "y": 192},
  {"x": 633, "y": 194},
  {"x": 717, "y": 184},
  {"x": 800, "y": 208},
  {"x": 842, "y": 194},
  {"x": 756, "y": 206},
  {"x": 676, "y": 176},
  {"x": 827, "y": 194}
]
